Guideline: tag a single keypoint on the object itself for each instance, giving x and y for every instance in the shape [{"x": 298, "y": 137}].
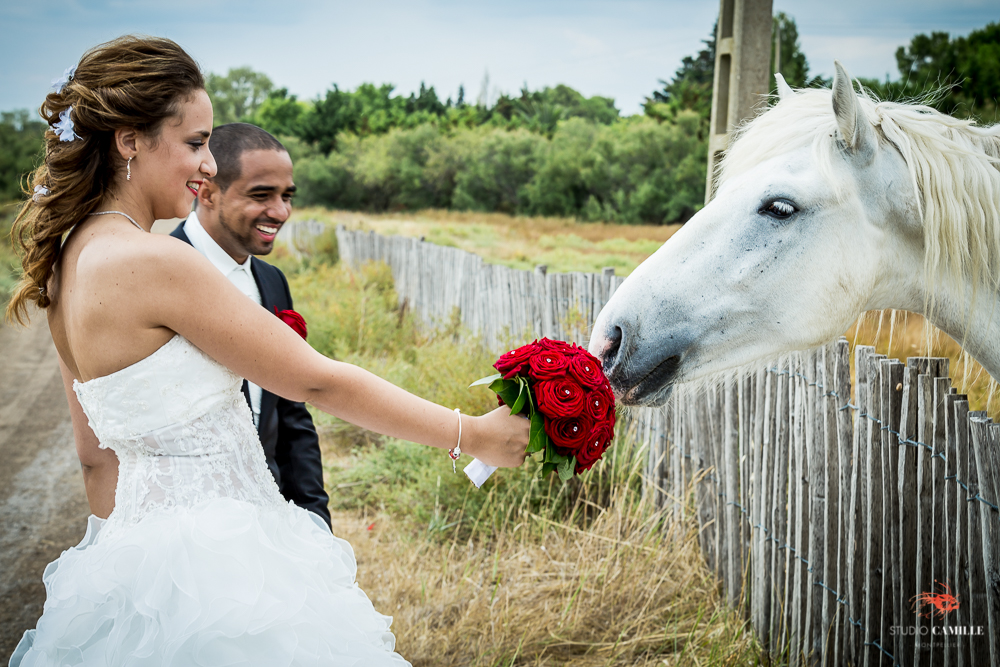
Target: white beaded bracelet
[{"x": 455, "y": 452}]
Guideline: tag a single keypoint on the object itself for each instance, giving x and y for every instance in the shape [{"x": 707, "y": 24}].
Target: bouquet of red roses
[{"x": 562, "y": 389}]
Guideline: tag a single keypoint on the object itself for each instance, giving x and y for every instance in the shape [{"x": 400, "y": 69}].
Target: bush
[
  {"x": 499, "y": 166},
  {"x": 21, "y": 136},
  {"x": 635, "y": 170}
]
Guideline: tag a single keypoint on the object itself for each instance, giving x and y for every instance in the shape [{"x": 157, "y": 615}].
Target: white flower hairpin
[
  {"x": 40, "y": 191},
  {"x": 64, "y": 127},
  {"x": 60, "y": 83}
]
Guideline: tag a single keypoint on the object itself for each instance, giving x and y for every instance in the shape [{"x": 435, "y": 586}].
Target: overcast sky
[{"x": 617, "y": 49}]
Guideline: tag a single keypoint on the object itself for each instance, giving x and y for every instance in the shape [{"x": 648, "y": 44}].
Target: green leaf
[
  {"x": 522, "y": 397},
  {"x": 486, "y": 380},
  {"x": 500, "y": 384},
  {"x": 567, "y": 467},
  {"x": 547, "y": 468},
  {"x": 551, "y": 456},
  {"x": 536, "y": 435},
  {"x": 508, "y": 390}
]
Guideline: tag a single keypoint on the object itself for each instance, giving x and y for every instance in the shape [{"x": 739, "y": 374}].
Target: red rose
[
  {"x": 548, "y": 364},
  {"x": 569, "y": 434},
  {"x": 515, "y": 362},
  {"x": 559, "y": 398},
  {"x": 292, "y": 319},
  {"x": 555, "y": 345},
  {"x": 587, "y": 370},
  {"x": 594, "y": 447},
  {"x": 600, "y": 405}
]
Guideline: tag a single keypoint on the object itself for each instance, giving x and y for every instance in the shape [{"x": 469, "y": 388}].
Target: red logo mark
[{"x": 936, "y": 604}]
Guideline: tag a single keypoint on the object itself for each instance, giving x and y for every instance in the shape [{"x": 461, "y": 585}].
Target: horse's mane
[{"x": 954, "y": 167}]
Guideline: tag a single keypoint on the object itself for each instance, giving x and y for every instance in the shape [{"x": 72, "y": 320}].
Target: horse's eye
[{"x": 780, "y": 209}]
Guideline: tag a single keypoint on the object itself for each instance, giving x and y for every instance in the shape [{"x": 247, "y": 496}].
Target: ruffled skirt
[{"x": 221, "y": 583}]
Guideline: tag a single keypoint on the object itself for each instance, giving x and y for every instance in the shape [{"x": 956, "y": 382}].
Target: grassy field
[{"x": 516, "y": 241}]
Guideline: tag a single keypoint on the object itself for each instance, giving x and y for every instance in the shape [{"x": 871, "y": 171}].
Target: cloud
[{"x": 612, "y": 48}]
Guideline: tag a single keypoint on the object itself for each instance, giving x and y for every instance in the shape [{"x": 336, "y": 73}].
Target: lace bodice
[{"x": 182, "y": 431}]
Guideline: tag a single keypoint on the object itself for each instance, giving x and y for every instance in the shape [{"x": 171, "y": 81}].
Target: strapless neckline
[{"x": 133, "y": 366}]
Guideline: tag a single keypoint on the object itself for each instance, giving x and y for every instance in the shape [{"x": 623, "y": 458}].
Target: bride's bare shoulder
[
  {"x": 135, "y": 263},
  {"x": 112, "y": 252}
]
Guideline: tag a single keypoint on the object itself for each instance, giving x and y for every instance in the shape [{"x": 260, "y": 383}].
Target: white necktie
[{"x": 242, "y": 281}]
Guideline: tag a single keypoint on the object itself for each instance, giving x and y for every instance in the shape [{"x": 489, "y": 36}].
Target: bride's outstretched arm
[{"x": 195, "y": 300}]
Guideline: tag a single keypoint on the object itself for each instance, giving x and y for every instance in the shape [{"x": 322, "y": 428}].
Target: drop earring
[{"x": 128, "y": 170}]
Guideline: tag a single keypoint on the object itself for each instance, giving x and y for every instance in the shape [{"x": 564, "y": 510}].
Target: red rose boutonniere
[
  {"x": 561, "y": 388},
  {"x": 292, "y": 319}
]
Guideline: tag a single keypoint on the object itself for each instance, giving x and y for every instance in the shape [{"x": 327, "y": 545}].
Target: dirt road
[{"x": 43, "y": 508}]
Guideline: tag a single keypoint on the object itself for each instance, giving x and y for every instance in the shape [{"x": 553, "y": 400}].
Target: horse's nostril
[{"x": 610, "y": 356}]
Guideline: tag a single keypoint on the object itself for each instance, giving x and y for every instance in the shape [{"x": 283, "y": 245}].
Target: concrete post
[{"x": 742, "y": 69}]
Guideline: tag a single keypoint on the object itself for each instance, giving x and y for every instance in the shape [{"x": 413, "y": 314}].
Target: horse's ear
[
  {"x": 785, "y": 91},
  {"x": 855, "y": 130}
]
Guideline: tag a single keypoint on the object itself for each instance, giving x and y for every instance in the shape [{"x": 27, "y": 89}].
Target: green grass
[{"x": 355, "y": 317}]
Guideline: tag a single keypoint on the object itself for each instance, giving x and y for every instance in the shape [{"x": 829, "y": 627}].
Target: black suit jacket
[{"x": 286, "y": 429}]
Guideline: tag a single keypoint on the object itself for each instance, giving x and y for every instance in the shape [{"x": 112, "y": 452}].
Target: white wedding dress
[{"x": 202, "y": 561}]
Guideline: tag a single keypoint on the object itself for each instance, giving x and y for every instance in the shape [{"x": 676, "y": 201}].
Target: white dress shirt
[{"x": 239, "y": 274}]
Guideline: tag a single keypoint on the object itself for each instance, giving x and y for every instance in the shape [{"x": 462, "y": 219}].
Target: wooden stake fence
[{"x": 848, "y": 532}]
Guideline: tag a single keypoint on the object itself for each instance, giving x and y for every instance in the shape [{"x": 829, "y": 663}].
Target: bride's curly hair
[{"x": 133, "y": 81}]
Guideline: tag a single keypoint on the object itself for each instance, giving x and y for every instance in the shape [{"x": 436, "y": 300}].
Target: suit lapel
[{"x": 270, "y": 293}]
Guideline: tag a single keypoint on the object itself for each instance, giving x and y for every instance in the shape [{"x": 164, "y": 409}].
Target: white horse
[{"x": 829, "y": 204}]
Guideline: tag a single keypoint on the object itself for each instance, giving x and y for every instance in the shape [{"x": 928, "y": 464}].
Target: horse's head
[{"x": 800, "y": 239}]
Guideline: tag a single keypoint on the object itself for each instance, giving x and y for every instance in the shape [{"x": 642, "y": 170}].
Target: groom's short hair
[{"x": 228, "y": 144}]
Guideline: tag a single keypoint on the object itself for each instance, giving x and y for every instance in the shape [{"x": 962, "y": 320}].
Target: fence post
[
  {"x": 763, "y": 545},
  {"x": 984, "y": 446},
  {"x": 960, "y": 560},
  {"x": 892, "y": 404},
  {"x": 830, "y": 466},
  {"x": 845, "y": 439},
  {"x": 874, "y": 503},
  {"x": 779, "y": 513},
  {"x": 742, "y": 72}
]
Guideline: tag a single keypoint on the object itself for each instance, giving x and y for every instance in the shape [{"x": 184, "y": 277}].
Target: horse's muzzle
[{"x": 638, "y": 375}]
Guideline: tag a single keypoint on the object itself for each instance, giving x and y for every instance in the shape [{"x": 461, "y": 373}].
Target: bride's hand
[{"x": 498, "y": 438}]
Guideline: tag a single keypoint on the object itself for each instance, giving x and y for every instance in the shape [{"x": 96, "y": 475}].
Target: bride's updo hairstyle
[{"x": 131, "y": 81}]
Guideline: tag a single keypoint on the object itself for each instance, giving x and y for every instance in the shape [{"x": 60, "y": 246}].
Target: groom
[{"x": 237, "y": 215}]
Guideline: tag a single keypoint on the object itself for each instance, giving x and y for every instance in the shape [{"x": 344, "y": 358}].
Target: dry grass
[
  {"x": 900, "y": 334},
  {"x": 625, "y": 587},
  {"x": 516, "y": 241}
]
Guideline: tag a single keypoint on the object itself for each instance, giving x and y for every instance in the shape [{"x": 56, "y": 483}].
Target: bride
[{"x": 202, "y": 562}]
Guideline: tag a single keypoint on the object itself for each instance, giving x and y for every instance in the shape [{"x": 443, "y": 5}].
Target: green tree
[
  {"x": 691, "y": 87},
  {"x": 500, "y": 166},
  {"x": 21, "y": 147},
  {"x": 237, "y": 95},
  {"x": 965, "y": 71},
  {"x": 793, "y": 66},
  {"x": 281, "y": 114}
]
